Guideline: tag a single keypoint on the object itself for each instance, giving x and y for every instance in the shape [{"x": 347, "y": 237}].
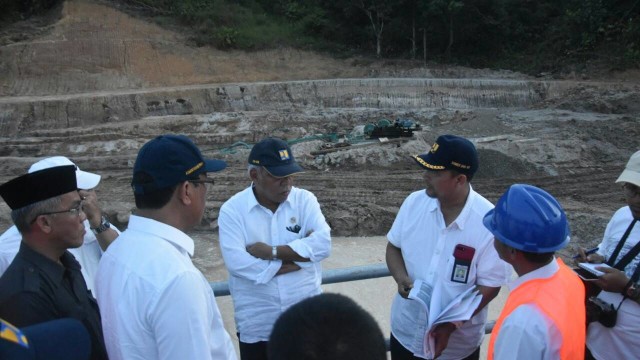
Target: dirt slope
[{"x": 570, "y": 137}]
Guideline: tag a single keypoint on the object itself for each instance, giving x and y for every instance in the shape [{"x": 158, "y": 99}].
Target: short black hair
[
  {"x": 326, "y": 326},
  {"x": 154, "y": 200}
]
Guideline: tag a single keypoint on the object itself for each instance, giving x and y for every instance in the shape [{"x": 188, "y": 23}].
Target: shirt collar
[
  {"x": 53, "y": 270},
  {"x": 252, "y": 201},
  {"x": 162, "y": 230},
  {"x": 544, "y": 272},
  {"x": 462, "y": 218}
]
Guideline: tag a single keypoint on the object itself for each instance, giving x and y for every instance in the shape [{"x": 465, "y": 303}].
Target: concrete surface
[{"x": 374, "y": 295}]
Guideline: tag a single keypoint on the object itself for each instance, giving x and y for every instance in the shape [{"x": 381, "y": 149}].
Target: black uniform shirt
[{"x": 35, "y": 289}]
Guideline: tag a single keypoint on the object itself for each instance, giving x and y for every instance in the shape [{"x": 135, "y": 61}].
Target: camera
[{"x": 602, "y": 312}]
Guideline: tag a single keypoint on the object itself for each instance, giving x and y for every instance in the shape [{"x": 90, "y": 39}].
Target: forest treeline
[{"x": 526, "y": 35}]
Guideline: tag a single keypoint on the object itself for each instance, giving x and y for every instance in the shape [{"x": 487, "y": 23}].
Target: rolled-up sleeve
[{"x": 233, "y": 247}]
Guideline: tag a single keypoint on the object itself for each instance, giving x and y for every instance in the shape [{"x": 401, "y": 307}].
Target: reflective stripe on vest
[{"x": 561, "y": 298}]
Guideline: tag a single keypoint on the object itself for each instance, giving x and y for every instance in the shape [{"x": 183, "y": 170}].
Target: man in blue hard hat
[{"x": 544, "y": 315}]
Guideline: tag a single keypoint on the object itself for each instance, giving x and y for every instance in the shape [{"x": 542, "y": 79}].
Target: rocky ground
[{"x": 95, "y": 84}]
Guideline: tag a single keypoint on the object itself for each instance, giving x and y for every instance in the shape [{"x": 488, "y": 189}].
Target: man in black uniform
[{"x": 44, "y": 281}]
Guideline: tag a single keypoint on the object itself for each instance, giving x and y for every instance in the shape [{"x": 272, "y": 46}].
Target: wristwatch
[
  {"x": 104, "y": 225},
  {"x": 274, "y": 252},
  {"x": 633, "y": 292}
]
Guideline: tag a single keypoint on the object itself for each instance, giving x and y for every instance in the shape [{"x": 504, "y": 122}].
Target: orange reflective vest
[{"x": 561, "y": 298}]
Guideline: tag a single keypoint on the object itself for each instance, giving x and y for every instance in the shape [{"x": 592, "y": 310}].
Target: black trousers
[
  {"x": 398, "y": 352},
  {"x": 253, "y": 351}
]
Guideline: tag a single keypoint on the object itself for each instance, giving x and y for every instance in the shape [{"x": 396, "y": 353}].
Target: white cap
[
  {"x": 85, "y": 180},
  {"x": 631, "y": 173}
]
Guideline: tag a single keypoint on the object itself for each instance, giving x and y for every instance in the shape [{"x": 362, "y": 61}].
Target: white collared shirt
[
  {"x": 154, "y": 303},
  {"x": 528, "y": 333},
  {"x": 427, "y": 247},
  {"x": 623, "y": 340},
  {"x": 259, "y": 297},
  {"x": 88, "y": 255}
]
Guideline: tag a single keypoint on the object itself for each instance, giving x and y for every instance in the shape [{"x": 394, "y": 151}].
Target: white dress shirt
[
  {"x": 88, "y": 255},
  {"x": 528, "y": 333},
  {"x": 153, "y": 301},
  {"x": 623, "y": 340},
  {"x": 259, "y": 297},
  {"x": 427, "y": 247}
]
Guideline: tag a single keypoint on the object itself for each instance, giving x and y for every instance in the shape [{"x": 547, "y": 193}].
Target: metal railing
[{"x": 333, "y": 276}]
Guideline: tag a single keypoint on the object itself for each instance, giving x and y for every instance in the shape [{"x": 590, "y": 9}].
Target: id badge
[{"x": 463, "y": 255}]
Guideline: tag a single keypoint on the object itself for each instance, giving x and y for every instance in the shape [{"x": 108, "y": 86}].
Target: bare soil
[{"x": 573, "y": 144}]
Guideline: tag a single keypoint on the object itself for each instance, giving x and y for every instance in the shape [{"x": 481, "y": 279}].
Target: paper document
[
  {"x": 461, "y": 308},
  {"x": 591, "y": 267}
]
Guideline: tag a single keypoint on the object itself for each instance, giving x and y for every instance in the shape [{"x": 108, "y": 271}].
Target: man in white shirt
[
  {"x": 154, "y": 303},
  {"x": 544, "y": 316},
  {"x": 100, "y": 233},
  {"x": 620, "y": 288},
  {"x": 273, "y": 237},
  {"x": 438, "y": 238}
]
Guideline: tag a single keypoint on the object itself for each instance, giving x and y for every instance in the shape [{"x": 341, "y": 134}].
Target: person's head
[
  {"x": 449, "y": 166},
  {"x": 271, "y": 168},
  {"x": 630, "y": 179},
  {"x": 46, "y": 203},
  {"x": 326, "y": 326},
  {"x": 171, "y": 168},
  {"x": 527, "y": 221}
]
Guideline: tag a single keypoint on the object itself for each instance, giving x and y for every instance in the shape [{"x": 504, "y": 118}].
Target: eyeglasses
[
  {"x": 208, "y": 182},
  {"x": 74, "y": 211},
  {"x": 630, "y": 190}
]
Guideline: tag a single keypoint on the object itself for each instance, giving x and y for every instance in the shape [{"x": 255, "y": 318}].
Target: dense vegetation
[{"x": 527, "y": 35}]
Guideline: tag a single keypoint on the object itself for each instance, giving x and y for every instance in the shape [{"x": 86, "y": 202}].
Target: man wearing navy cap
[
  {"x": 155, "y": 303},
  {"x": 438, "y": 238},
  {"x": 44, "y": 281},
  {"x": 273, "y": 237}
]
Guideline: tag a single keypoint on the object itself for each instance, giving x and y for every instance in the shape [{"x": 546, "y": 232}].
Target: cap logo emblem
[
  {"x": 434, "y": 147},
  {"x": 284, "y": 155},
  {"x": 198, "y": 166}
]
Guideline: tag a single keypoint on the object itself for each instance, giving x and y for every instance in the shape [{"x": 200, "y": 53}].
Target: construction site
[{"x": 97, "y": 83}]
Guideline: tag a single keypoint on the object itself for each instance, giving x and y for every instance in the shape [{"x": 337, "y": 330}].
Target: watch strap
[
  {"x": 104, "y": 225},
  {"x": 274, "y": 252}
]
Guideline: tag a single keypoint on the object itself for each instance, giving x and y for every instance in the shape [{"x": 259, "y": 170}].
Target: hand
[
  {"x": 441, "y": 334},
  {"x": 260, "y": 250},
  {"x": 591, "y": 258},
  {"x": 613, "y": 280},
  {"x": 404, "y": 287},
  {"x": 287, "y": 267},
  {"x": 90, "y": 207}
]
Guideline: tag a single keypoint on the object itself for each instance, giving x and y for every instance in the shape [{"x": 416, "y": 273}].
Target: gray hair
[
  {"x": 251, "y": 167},
  {"x": 24, "y": 216}
]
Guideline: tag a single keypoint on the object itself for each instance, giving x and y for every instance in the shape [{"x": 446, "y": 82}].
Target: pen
[{"x": 588, "y": 252}]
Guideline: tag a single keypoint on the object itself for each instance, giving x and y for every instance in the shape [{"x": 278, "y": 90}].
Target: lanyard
[{"x": 626, "y": 259}]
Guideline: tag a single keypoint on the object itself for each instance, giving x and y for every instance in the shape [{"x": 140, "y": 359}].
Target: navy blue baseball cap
[
  {"x": 276, "y": 156},
  {"x": 450, "y": 152},
  {"x": 169, "y": 160}
]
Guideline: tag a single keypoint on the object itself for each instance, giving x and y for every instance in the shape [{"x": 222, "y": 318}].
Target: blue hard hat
[{"x": 529, "y": 219}]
